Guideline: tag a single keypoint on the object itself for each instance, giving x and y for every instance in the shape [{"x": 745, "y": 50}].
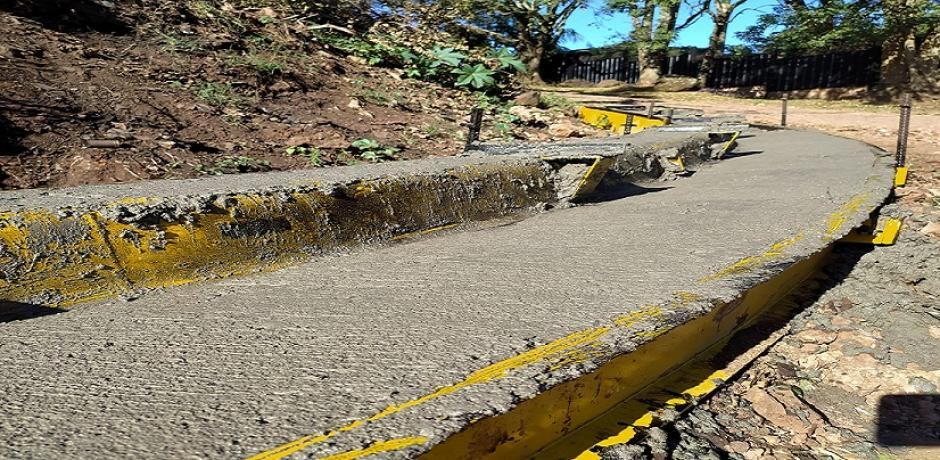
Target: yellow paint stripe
[
  {"x": 492, "y": 372},
  {"x": 889, "y": 235},
  {"x": 424, "y": 232},
  {"x": 616, "y": 121},
  {"x": 60, "y": 260},
  {"x": 707, "y": 386},
  {"x": 839, "y": 218},
  {"x": 566, "y": 346},
  {"x": 751, "y": 263},
  {"x": 379, "y": 447}
]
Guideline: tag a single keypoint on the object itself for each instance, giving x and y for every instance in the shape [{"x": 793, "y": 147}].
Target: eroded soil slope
[{"x": 98, "y": 92}]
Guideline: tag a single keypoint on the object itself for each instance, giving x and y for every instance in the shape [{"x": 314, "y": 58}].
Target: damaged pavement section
[
  {"x": 408, "y": 349},
  {"x": 853, "y": 375},
  {"x": 61, "y": 247}
]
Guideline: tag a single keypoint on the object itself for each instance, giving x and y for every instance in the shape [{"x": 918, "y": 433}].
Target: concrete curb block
[{"x": 113, "y": 245}]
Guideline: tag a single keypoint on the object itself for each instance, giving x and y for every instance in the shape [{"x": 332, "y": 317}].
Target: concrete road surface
[{"x": 386, "y": 344}]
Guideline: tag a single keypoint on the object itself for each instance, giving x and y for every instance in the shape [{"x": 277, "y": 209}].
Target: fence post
[
  {"x": 652, "y": 109},
  {"x": 669, "y": 114},
  {"x": 783, "y": 110},
  {"x": 476, "y": 121},
  {"x": 900, "y": 155}
]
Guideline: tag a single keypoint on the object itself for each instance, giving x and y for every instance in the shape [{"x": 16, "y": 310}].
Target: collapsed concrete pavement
[{"x": 395, "y": 350}]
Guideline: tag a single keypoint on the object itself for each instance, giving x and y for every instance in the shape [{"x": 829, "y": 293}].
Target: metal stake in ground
[
  {"x": 628, "y": 126},
  {"x": 900, "y": 155},
  {"x": 476, "y": 120},
  {"x": 652, "y": 109},
  {"x": 783, "y": 110},
  {"x": 669, "y": 114}
]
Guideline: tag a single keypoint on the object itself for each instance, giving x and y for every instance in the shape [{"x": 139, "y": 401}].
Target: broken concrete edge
[
  {"x": 62, "y": 247},
  {"x": 541, "y": 395},
  {"x": 680, "y": 390}
]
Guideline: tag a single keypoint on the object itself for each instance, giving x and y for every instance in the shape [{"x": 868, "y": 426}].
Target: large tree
[
  {"x": 655, "y": 24},
  {"x": 722, "y": 13},
  {"x": 533, "y": 28},
  {"x": 908, "y": 31}
]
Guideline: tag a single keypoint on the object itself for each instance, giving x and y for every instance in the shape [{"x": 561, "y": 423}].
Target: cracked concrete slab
[{"x": 392, "y": 351}]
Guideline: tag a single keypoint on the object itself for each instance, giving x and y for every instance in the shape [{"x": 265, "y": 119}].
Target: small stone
[
  {"x": 528, "y": 99},
  {"x": 739, "y": 447},
  {"x": 354, "y": 104},
  {"x": 565, "y": 130},
  {"x": 932, "y": 229},
  {"x": 280, "y": 86}
]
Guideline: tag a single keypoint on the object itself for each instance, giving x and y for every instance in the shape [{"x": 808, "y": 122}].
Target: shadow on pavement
[
  {"x": 621, "y": 191},
  {"x": 16, "y": 311},
  {"x": 909, "y": 420},
  {"x": 732, "y": 155}
]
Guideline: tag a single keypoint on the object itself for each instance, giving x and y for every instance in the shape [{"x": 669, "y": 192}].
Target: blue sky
[{"x": 595, "y": 29}]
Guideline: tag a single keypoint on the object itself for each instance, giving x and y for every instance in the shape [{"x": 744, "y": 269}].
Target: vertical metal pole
[
  {"x": 652, "y": 109},
  {"x": 669, "y": 114},
  {"x": 900, "y": 155},
  {"x": 476, "y": 120},
  {"x": 628, "y": 126},
  {"x": 783, "y": 110}
]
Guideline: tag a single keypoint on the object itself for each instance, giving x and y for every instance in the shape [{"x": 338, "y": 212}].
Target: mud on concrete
[{"x": 855, "y": 376}]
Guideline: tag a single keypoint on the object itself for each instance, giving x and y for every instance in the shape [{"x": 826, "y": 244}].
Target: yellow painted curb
[
  {"x": 57, "y": 259},
  {"x": 616, "y": 121},
  {"x": 542, "y": 421},
  {"x": 900, "y": 177},
  {"x": 887, "y": 235}
]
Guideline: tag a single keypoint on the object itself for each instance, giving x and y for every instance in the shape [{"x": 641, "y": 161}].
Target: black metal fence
[
  {"x": 776, "y": 73},
  {"x": 584, "y": 66},
  {"x": 772, "y": 71}
]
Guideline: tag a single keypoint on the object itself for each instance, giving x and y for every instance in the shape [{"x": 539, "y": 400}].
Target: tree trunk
[
  {"x": 532, "y": 53},
  {"x": 652, "y": 72},
  {"x": 643, "y": 38},
  {"x": 533, "y": 63},
  {"x": 716, "y": 43},
  {"x": 925, "y": 73},
  {"x": 897, "y": 56},
  {"x": 909, "y": 62}
]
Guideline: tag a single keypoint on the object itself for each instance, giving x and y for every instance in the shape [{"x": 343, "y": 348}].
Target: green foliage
[
  {"x": 507, "y": 60},
  {"x": 173, "y": 43},
  {"x": 442, "y": 65},
  {"x": 476, "y": 76},
  {"x": 371, "y": 150},
  {"x": 841, "y": 25},
  {"x": 446, "y": 56},
  {"x": 217, "y": 94},
  {"x": 314, "y": 155},
  {"x": 374, "y": 53}
]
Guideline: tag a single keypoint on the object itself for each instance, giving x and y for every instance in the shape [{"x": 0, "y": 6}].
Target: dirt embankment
[{"x": 102, "y": 92}]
